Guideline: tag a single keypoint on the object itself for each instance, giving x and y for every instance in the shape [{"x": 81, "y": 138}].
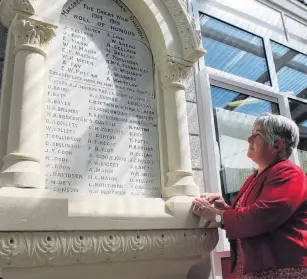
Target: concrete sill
[{"x": 44, "y": 210}]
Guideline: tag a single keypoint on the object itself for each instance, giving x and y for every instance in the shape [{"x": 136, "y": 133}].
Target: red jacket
[{"x": 272, "y": 223}]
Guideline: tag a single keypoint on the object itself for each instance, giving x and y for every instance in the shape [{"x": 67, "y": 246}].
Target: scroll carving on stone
[
  {"x": 184, "y": 3},
  {"x": 29, "y": 32},
  {"x": 31, "y": 249},
  {"x": 190, "y": 37}
]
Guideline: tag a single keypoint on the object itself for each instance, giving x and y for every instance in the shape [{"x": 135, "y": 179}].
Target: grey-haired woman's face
[{"x": 258, "y": 149}]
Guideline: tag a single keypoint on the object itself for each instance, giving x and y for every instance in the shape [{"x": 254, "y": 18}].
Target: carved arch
[
  {"x": 165, "y": 22},
  {"x": 177, "y": 26},
  {"x": 190, "y": 37}
]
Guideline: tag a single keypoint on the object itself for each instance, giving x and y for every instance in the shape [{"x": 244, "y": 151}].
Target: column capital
[
  {"x": 174, "y": 73},
  {"x": 32, "y": 34}
]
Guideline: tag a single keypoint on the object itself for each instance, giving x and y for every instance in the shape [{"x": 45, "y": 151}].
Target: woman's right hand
[{"x": 215, "y": 199}]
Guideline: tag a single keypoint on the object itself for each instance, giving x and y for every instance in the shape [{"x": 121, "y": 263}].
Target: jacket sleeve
[{"x": 283, "y": 192}]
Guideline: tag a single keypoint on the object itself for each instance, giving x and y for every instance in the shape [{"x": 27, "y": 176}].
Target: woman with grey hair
[{"x": 266, "y": 223}]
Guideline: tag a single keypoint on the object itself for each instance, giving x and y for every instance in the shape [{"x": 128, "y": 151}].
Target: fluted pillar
[
  {"x": 180, "y": 176},
  {"x": 22, "y": 164}
]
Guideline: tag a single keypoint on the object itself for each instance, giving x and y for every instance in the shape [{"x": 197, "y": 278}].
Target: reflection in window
[
  {"x": 233, "y": 50},
  {"x": 234, "y": 114},
  {"x": 291, "y": 68},
  {"x": 299, "y": 115}
]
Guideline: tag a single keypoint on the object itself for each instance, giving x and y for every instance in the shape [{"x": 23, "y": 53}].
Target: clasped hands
[{"x": 208, "y": 205}]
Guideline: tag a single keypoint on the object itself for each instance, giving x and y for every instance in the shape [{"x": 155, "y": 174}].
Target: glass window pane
[
  {"x": 233, "y": 50},
  {"x": 291, "y": 68},
  {"x": 234, "y": 114},
  {"x": 299, "y": 115}
]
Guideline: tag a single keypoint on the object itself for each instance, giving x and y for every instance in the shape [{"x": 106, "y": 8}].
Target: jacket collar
[{"x": 249, "y": 180}]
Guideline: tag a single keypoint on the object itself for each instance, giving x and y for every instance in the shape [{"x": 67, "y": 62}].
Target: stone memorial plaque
[{"x": 101, "y": 126}]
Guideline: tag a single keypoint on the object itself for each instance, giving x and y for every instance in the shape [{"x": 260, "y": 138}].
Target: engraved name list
[{"x": 101, "y": 126}]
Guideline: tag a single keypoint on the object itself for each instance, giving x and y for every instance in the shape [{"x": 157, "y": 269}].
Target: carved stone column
[
  {"x": 180, "y": 176},
  {"x": 22, "y": 164}
]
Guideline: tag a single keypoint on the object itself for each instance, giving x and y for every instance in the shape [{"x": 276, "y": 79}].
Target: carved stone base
[
  {"x": 33, "y": 249},
  {"x": 107, "y": 254},
  {"x": 158, "y": 269}
]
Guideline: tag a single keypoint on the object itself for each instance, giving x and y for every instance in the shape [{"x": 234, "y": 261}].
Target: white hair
[{"x": 277, "y": 127}]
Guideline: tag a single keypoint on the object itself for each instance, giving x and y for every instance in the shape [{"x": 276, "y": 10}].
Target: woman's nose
[{"x": 250, "y": 138}]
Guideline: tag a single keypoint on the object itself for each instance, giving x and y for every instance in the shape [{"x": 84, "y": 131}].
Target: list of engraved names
[{"x": 101, "y": 127}]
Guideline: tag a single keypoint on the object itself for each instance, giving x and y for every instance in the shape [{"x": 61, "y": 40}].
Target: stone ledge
[
  {"x": 36, "y": 249},
  {"x": 44, "y": 210}
]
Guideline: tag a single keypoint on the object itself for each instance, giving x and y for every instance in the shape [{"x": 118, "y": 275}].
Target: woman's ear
[{"x": 279, "y": 145}]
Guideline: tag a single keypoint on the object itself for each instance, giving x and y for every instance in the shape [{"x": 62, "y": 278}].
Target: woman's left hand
[{"x": 204, "y": 209}]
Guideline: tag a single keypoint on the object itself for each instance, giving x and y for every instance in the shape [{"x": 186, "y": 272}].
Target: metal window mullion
[
  {"x": 270, "y": 63},
  {"x": 207, "y": 130},
  {"x": 283, "y": 18},
  {"x": 295, "y": 98},
  {"x": 210, "y": 149},
  {"x": 284, "y": 106},
  {"x": 220, "y": 76},
  {"x": 252, "y": 93}
]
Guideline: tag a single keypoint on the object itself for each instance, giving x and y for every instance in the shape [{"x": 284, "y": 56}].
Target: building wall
[{"x": 194, "y": 132}]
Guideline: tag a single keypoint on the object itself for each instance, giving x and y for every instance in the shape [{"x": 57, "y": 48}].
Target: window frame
[
  {"x": 249, "y": 23},
  {"x": 219, "y": 78},
  {"x": 266, "y": 44}
]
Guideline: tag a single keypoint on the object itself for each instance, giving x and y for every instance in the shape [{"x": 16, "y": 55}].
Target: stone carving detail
[
  {"x": 184, "y": 3},
  {"x": 9, "y": 8},
  {"x": 29, "y": 32},
  {"x": 172, "y": 72},
  {"x": 32, "y": 249},
  {"x": 190, "y": 37}
]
